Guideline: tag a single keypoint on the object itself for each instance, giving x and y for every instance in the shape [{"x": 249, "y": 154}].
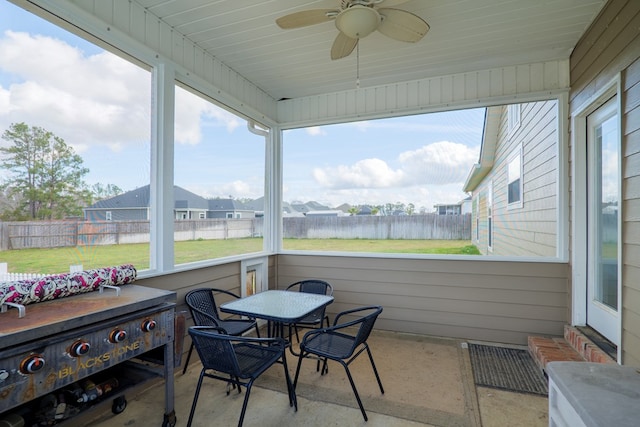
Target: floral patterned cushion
[{"x": 63, "y": 285}]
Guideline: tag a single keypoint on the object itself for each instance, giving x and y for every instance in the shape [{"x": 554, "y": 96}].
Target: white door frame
[{"x": 579, "y": 247}]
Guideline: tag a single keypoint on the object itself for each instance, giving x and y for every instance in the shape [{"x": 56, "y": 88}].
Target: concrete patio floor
[{"x": 428, "y": 381}]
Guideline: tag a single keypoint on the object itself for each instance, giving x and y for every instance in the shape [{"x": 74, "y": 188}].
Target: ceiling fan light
[{"x": 358, "y": 21}]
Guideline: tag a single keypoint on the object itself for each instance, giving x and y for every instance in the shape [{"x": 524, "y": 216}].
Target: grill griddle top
[{"x": 52, "y": 317}]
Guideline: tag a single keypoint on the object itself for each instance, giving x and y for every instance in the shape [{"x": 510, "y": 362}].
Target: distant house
[
  {"x": 229, "y": 208},
  {"x": 365, "y": 210},
  {"x": 134, "y": 205},
  {"x": 514, "y": 183},
  {"x": 460, "y": 208}
]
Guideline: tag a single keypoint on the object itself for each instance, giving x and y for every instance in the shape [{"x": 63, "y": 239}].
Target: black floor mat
[{"x": 506, "y": 369}]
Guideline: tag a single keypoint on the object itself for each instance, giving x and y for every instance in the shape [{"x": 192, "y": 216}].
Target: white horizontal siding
[{"x": 486, "y": 87}]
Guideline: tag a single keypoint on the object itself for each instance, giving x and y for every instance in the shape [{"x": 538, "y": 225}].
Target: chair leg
[
  {"x": 300, "y": 357},
  {"x": 186, "y": 364},
  {"x": 355, "y": 390},
  {"x": 244, "y": 403},
  {"x": 195, "y": 398},
  {"x": 375, "y": 371},
  {"x": 293, "y": 400}
]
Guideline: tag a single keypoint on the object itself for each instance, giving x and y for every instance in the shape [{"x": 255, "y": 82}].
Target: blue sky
[{"x": 100, "y": 105}]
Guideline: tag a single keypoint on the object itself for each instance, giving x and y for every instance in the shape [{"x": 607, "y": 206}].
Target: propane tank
[{"x": 107, "y": 386}]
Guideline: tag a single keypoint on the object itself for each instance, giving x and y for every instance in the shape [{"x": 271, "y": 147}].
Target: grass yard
[{"x": 57, "y": 260}]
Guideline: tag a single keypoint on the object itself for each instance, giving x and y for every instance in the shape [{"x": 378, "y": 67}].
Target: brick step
[{"x": 574, "y": 347}]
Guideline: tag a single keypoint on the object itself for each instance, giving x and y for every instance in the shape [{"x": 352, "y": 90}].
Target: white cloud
[
  {"x": 90, "y": 100},
  {"x": 193, "y": 111},
  {"x": 368, "y": 173},
  {"x": 236, "y": 189},
  {"x": 86, "y": 100},
  {"x": 5, "y": 97},
  {"x": 438, "y": 163},
  {"x": 434, "y": 164},
  {"x": 315, "y": 131}
]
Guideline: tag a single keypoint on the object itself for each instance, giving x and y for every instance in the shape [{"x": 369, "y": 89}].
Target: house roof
[
  {"x": 227, "y": 205},
  {"x": 487, "y": 149},
  {"x": 139, "y": 198}
]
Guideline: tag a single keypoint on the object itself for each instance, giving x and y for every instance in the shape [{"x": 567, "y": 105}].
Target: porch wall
[
  {"x": 225, "y": 276},
  {"x": 612, "y": 46},
  {"x": 499, "y": 301}
]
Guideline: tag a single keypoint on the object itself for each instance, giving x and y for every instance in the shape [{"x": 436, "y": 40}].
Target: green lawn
[{"x": 56, "y": 260}]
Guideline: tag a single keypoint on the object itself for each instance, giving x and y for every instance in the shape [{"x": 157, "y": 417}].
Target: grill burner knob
[
  {"x": 4, "y": 374},
  {"x": 79, "y": 348},
  {"x": 117, "y": 335},
  {"x": 148, "y": 325},
  {"x": 32, "y": 364}
]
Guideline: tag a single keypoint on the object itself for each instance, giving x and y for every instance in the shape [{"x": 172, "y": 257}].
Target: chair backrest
[
  {"x": 215, "y": 350},
  {"x": 367, "y": 324},
  {"x": 312, "y": 286},
  {"x": 364, "y": 323},
  {"x": 203, "y": 307}
]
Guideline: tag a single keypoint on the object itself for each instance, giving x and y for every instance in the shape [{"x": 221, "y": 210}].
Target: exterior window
[
  {"x": 514, "y": 180},
  {"x": 107, "y": 215},
  {"x": 514, "y": 117},
  {"x": 490, "y": 216},
  {"x": 476, "y": 216},
  {"x": 201, "y": 215}
]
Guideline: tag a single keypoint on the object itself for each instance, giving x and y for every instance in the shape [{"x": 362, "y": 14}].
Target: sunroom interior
[{"x": 476, "y": 54}]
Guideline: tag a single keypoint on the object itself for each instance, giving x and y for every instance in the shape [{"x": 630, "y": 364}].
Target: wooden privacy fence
[
  {"x": 51, "y": 234},
  {"x": 412, "y": 227}
]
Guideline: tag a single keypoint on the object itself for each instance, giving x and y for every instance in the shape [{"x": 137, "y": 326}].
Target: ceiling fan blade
[
  {"x": 343, "y": 45},
  {"x": 392, "y": 3},
  {"x": 402, "y": 25},
  {"x": 306, "y": 18}
]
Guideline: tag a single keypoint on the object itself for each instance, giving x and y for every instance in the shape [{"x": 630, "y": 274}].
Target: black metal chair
[
  {"x": 243, "y": 359},
  {"x": 204, "y": 312},
  {"x": 317, "y": 317},
  {"x": 340, "y": 344}
]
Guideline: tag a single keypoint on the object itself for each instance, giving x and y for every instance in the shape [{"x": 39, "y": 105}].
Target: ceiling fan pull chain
[{"x": 358, "y": 66}]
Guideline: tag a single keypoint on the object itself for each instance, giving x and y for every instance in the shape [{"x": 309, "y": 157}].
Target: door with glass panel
[{"x": 603, "y": 236}]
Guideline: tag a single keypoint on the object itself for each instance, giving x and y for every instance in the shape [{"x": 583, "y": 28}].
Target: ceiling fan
[{"x": 356, "y": 19}]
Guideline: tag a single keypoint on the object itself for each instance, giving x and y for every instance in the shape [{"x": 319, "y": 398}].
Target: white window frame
[
  {"x": 202, "y": 215},
  {"x": 513, "y": 118},
  {"x": 108, "y": 216},
  {"x": 516, "y": 155},
  {"x": 490, "y": 224},
  {"x": 476, "y": 214}
]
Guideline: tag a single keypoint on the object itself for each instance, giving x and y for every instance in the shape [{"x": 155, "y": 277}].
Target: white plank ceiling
[{"x": 465, "y": 35}]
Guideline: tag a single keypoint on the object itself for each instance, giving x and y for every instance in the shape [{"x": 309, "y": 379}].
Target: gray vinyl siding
[
  {"x": 496, "y": 301},
  {"x": 530, "y": 230},
  {"x": 612, "y": 46}
]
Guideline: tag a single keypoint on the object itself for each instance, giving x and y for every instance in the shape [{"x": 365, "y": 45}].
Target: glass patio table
[{"x": 277, "y": 307}]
